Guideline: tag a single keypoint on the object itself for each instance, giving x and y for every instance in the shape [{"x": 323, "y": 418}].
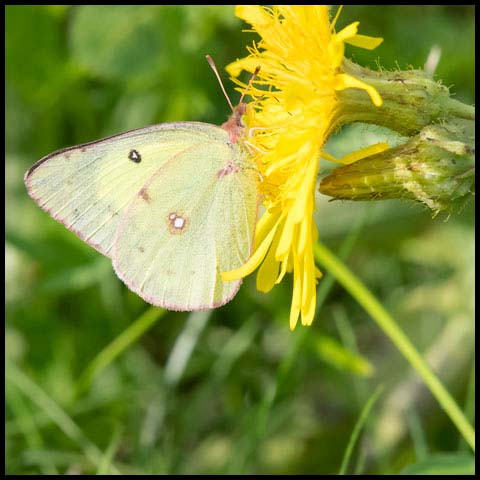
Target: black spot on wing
[{"x": 134, "y": 156}]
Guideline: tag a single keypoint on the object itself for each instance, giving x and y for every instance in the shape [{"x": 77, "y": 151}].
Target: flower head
[{"x": 295, "y": 100}]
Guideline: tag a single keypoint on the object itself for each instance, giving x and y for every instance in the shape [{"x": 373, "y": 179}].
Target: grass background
[{"x": 231, "y": 390}]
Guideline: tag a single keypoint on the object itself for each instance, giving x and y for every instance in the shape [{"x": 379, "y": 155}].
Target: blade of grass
[
  {"x": 358, "y": 427},
  {"x": 347, "y": 336},
  {"x": 417, "y": 434},
  {"x": 118, "y": 346},
  {"x": 37, "y": 396},
  {"x": 361, "y": 462},
  {"x": 233, "y": 349},
  {"x": 184, "y": 345},
  {"x": 23, "y": 418},
  {"x": 105, "y": 467},
  {"x": 469, "y": 407},
  {"x": 27, "y": 426},
  {"x": 365, "y": 298}
]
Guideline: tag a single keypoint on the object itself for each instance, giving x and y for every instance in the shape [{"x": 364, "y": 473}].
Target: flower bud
[{"x": 435, "y": 167}]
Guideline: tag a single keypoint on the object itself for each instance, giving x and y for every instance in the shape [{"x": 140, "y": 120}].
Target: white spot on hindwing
[{"x": 176, "y": 223}]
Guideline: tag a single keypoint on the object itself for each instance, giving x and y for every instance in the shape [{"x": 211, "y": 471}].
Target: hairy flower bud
[{"x": 435, "y": 167}]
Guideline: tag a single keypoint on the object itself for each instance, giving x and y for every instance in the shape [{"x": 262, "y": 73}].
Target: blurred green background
[{"x": 230, "y": 390}]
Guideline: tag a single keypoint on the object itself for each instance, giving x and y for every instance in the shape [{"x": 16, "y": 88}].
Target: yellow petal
[
  {"x": 278, "y": 164},
  {"x": 308, "y": 311},
  {"x": 294, "y": 313},
  {"x": 285, "y": 241},
  {"x": 304, "y": 232},
  {"x": 347, "y": 81},
  {"x": 364, "y": 41},
  {"x": 268, "y": 271},
  {"x": 283, "y": 269},
  {"x": 266, "y": 223},
  {"x": 329, "y": 157},
  {"x": 253, "y": 14},
  {"x": 261, "y": 19},
  {"x": 314, "y": 232},
  {"x": 297, "y": 292},
  {"x": 309, "y": 291},
  {"x": 249, "y": 64},
  {"x": 364, "y": 152},
  {"x": 304, "y": 195},
  {"x": 348, "y": 32}
]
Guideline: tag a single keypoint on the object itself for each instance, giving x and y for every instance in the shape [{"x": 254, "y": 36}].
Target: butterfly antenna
[
  {"x": 215, "y": 71},
  {"x": 255, "y": 73}
]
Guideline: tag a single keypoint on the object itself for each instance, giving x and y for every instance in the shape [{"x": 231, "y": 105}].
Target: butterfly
[{"x": 172, "y": 205}]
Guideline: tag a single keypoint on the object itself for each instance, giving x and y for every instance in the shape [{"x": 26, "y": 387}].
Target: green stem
[{"x": 365, "y": 298}]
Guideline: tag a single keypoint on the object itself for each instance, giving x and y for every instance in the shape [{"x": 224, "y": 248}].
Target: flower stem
[{"x": 366, "y": 299}]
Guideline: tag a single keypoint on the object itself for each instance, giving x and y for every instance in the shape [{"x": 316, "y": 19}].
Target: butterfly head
[{"x": 234, "y": 125}]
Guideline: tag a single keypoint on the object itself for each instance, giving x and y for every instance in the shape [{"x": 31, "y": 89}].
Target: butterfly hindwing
[{"x": 194, "y": 219}]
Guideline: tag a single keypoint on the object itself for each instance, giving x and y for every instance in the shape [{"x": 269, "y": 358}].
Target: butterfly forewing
[{"x": 88, "y": 187}]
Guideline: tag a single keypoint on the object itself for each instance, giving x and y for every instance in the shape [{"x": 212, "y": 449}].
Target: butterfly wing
[
  {"x": 88, "y": 187},
  {"x": 194, "y": 219}
]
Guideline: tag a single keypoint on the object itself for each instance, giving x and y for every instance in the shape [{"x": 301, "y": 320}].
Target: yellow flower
[{"x": 300, "y": 58}]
